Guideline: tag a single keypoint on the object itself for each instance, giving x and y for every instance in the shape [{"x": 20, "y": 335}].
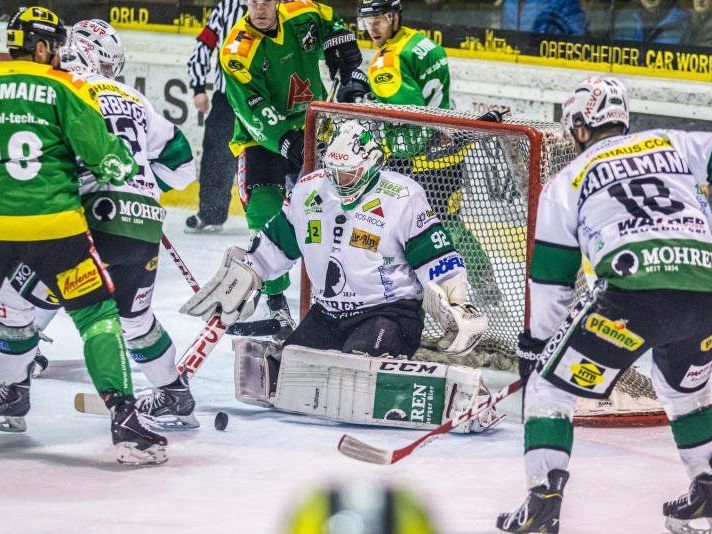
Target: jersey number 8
[{"x": 24, "y": 150}]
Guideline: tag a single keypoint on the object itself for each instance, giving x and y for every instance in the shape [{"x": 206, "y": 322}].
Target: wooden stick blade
[
  {"x": 90, "y": 403},
  {"x": 363, "y": 452}
]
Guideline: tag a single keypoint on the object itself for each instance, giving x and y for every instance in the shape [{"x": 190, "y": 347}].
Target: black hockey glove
[
  {"x": 492, "y": 116},
  {"x": 291, "y": 146},
  {"x": 528, "y": 351},
  {"x": 443, "y": 145},
  {"x": 342, "y": 53},
  {"x": 355, "y": 90}
]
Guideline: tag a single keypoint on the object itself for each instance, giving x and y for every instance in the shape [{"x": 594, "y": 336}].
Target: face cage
[{"x": 349, "y": 193}]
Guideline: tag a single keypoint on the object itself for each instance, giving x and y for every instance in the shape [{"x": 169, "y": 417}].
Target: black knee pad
[{"x": 376, "y": 336}]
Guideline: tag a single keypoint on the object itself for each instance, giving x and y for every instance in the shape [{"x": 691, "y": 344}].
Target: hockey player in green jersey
[
  {"x": 635, "y": 204},
  {"x": 48, "y": 118},
  {"x": 270, "y": 60},
  {"x": 410, "y": 69}
]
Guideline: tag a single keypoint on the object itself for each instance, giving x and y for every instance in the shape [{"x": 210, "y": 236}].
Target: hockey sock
[
  {"x": 547, "y": 445},
  {"x": 266, "y": 202},
  {"x": 18, "y": 347},
  {"x": 156, "y": 354},
  {"x": 104, "y": 347},
  {"x": 693, "y": 436}
]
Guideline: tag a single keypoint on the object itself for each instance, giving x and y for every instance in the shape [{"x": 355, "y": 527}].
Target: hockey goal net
[{"x": 483, "y": 180}]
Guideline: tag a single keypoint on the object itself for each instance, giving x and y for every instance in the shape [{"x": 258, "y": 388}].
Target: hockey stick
[{"x": 358, "y": 450}]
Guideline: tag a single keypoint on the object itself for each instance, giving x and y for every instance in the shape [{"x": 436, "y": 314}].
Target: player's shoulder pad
[
  {"x": 74, "y": 83},
  {"x": 238, "y": 50},
  {"x": 294, "y": 8},
  {"x": 104, "y": 86}
]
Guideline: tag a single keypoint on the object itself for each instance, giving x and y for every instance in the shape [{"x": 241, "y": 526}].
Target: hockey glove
[
  {"x": 233, "y": 291},
  {"x": 291, "y": 146},
  {"x": 355, "y": 90},
  {"x": 528, "y": 351},
  {"x": 492, "y": 116},
  {"x": 463, "y": 324},
  {"x": 341, "y": 53}
]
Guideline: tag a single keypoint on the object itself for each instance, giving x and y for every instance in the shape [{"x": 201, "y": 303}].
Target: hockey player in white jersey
[
  {"x": 377, "y": 255},
  {"x": 126, "y": 221},
  {"x": 636, "y": 205}
]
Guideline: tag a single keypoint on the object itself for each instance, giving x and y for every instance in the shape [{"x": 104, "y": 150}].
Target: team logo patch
[
  {"x": 152, "y": 264},
  {"x": 625, "y": 263},
  {"x": 364, "y": 240},
  {"x": 142, "y": 299},
  {"x": 696, "y": 375},
  {"x": 614, "y": 332},
  {"x": 79, "y": 280},
  {"x": 307, "y": 35},
  {"x": 299, "y": 91},
  {"x": 313, "y": 232},
  {"x": 374, "y": 207},
  {"x": 586, "y": 374},
  {"x": 104, "y": 209},
  {"x": 706, "y": 344},
  {"x": 312, "y": 204},
  {"x": 424, "y": 217},
  {"x": 384, "y": 77},
  {"x": 335, "y": 278},
  {"x": 392, "y": 190}
]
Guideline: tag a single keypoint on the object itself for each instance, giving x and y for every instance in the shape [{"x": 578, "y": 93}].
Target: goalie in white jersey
[
  {"x": 636, "y": 205},
  {"x": 374, "y": 250},
  {"x": 126, "y": 221}
]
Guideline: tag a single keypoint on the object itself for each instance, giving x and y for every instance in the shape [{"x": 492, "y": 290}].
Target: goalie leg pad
[
  {"x": 256, "y": 370},
  {"x": 371, "y": 391}
]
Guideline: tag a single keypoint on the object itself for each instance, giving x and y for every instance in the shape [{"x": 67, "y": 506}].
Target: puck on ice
[{"x": 221, "y": 421}]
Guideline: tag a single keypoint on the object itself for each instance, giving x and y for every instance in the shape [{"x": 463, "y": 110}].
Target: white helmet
[
  {"x": 595, "y": 102},
  {"x": 94, "y": 46},
  {"x": 353, "y": 158}
]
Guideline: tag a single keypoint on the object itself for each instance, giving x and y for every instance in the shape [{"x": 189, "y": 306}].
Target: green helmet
[
  {"x": 30, "y": 25},
  {"x": 360, "y": 508}
]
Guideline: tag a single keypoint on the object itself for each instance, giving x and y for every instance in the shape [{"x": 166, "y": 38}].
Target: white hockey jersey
[
  {"x": 163, "y": 155},
  {"x": 383, "y": 249},
  {"x": 637, "y": 207}
]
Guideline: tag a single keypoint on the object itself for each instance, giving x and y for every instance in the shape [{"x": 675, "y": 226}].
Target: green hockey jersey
[
  {"x": 410, "y": 69},
  {"x": 271, "y": 80},
  {"x": 47, "y": 118}
]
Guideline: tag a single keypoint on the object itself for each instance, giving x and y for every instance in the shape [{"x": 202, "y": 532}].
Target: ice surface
[{"x": 61, "y": 475}]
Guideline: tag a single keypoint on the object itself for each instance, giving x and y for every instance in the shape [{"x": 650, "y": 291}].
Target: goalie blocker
[{"x": 358, "y": 389}]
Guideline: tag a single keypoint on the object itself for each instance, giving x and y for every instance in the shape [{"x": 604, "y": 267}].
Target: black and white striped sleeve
[{"x": 222, "y": 18}]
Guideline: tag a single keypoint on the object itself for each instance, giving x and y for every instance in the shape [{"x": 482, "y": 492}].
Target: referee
[{"x": 217, "y": 164}]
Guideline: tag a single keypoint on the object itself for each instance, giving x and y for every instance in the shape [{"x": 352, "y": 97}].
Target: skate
[
  {"x": 540, "y": 511},
  {"x": 136, "y": 444},
  {"x": 695, "y": 505},
  {"x": 279, "y": 310},
  {"x": 195, "y": 225},
  {"x": 14, "y": 405},
  {"x": 170, "y": 407}
]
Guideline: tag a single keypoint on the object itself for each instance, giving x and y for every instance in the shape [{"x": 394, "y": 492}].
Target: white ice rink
[{"x": 61, "y": 475}]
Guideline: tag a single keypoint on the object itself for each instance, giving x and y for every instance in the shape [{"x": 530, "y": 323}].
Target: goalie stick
[{"x": 358, "y": 450}]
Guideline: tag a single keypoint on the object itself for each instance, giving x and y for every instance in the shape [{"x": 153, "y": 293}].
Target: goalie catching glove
[
  {"x": 233, "y": 291},
  {"x": 463, "y": 324}
]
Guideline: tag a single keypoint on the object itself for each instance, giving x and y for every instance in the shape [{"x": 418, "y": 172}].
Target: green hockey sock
[{"x": 104, "y": 347}]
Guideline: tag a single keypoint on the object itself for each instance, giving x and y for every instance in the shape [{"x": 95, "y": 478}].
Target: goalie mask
[
  {"x": 596, "y": 102},
  {"x": 95, "y": 47},
  {"x": 353, "y": 159},
  {"x": 30, "y": 25}
]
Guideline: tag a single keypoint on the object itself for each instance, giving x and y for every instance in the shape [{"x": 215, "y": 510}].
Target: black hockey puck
[{"x": 221, "y": 420}]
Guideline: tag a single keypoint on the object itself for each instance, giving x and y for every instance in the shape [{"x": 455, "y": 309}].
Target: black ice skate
[
  {"x": 694, "y": 505},
  {"x": 136, "y": 444},
  {"x": 540, "y": 512},
  {"x": 170, "y": 407},
  {"x": 14, "y": 405},
  {"x": 195, "y": 225},
  {"x": 279, "y": 310}
]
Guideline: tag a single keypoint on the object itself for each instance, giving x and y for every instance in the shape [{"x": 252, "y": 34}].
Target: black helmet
[
  {"x": 368, "y": 8},
  {"x": 29, "y": 25}
]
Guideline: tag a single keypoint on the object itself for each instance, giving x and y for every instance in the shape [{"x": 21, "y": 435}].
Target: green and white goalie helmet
[
  {"x": 596, "y": 102},
  {"x": 95, "y": 47},
  {"x": 353, "y": 158}
]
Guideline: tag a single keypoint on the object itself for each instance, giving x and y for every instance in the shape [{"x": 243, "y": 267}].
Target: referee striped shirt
[{"x": 222, "y": 18}]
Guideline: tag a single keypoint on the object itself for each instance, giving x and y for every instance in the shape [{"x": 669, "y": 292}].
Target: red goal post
[{"x": 495, "y": 173}]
